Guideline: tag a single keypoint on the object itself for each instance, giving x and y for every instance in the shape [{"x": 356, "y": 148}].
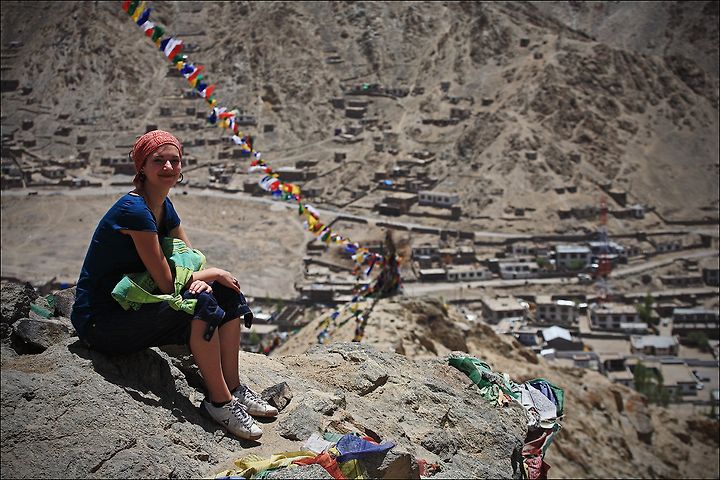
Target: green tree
[
  {"x": 649, "y": 382},
  {"x": 699, "y": 340},
  {"x": 543, "y": 262},
  {"x": 644, "y": 310},
  {"x": 254, "y": 338},
  {"x": 576, "y": 264}
]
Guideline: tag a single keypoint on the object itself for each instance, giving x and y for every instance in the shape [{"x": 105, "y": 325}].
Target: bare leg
[
  {"x": 229, "y": 335},
  {"x": 207, "y": 357}
]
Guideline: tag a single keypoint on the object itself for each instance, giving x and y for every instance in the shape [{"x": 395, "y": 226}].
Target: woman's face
[{"x": 163, "y": 167}]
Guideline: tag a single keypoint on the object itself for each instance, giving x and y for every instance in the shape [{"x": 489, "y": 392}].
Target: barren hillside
[{"x": 576, "y": 95}]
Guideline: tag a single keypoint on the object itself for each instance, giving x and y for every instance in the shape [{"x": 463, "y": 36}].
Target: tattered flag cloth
[
  {"x": 352, "y": 447},
  {"x": 543, "y": 403}
]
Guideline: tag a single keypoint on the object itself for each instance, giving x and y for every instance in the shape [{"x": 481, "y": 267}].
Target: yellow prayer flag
[{"x": 138, "y": 11}]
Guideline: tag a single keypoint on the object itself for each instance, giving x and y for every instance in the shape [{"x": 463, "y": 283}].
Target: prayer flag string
[{"x": 224, "y": 118}]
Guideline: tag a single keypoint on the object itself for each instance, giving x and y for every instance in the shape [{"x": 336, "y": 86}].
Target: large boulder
[{"x": 69, "y": 412}]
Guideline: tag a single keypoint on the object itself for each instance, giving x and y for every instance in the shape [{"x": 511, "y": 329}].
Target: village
[{"x": 645, "y": 296}]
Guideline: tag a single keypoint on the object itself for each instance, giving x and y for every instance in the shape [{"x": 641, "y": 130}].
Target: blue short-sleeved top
[{"x": 112, "y": 254}]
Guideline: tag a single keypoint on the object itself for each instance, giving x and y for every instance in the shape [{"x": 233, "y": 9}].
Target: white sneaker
[
  {"x": 234, "y": 417},
  {"x": 253, "y": 403}
]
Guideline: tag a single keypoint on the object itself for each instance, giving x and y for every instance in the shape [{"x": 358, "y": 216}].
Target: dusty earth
[{"x": 46, "y": 237}]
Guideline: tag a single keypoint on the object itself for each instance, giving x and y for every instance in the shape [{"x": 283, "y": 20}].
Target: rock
[
  {"x": 35, "y": 335},
  {"x": 278, "y": 395},
  {"x": 441, "y": 443},
  {"x": 16, "y": 300},
  {"x": 64, "y": 300},
  {"x": 393, "y": 464},
  {"x": 302, "y": 423}
]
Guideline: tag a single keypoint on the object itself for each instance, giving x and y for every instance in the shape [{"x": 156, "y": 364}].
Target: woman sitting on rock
[{"x": 129, "y": 240}]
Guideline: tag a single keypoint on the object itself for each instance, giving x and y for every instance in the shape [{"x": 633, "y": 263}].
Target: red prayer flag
[{"x": 195, "y": 73}]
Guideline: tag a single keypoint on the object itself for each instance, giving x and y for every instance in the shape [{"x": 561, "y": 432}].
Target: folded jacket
[{"x": 136, "y": 289}]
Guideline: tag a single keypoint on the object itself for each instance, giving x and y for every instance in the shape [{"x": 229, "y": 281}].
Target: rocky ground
[{"x": 68, "y": 412}]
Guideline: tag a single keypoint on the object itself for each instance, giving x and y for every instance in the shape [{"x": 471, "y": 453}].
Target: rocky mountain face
[
  {"x": 555, "y": 93},
  {"x": 68, "y": 412}
]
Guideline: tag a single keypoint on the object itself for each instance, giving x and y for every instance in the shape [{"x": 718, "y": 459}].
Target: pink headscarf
[{"x": 148, "y": 143}]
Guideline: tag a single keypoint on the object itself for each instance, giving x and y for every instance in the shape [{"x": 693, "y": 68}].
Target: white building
[
  {"x": 438, "y": 199},
  {"x": 513, "y": 270},
  {"x": 610, "y": 316},
  {"x": 654, "y": 345},
  {"x": 496, "y": 309},
  {"x": 464, "y": 273},
  {"x": 572, "y": 257}
]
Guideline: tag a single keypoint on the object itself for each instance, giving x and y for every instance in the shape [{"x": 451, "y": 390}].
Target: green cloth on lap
[{"x": 134, "y": 289}]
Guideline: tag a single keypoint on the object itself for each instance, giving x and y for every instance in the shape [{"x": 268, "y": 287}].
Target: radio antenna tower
[{"x": 602, "y": 284}]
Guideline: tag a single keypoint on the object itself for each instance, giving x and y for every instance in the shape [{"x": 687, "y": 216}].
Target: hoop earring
[{"x": 180, "y": 180}]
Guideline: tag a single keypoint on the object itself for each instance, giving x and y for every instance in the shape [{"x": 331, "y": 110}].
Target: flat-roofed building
[
  {"x": 710, "y": 271},
  {"x": 623, "y": 376},
  {"x": 514, "y": 270},
  {"x": 695, "y": 315},
  {"x": 677, "y": 377},
  {"x": 562, "y": 312},
  {"x": 397, "y": 203},
  {"x": 438, "y": 199},
  {"x": 425, "y": 250},
  {"x": 640, "y": 328},
  {"x": 610, "y": 316},
  {"x": 433, "y": 274},
  {"x": 466, "y": 273},
  {"x": 496, "y": 309},
  {"x": 654, "y": 345},
  {"x": 691, "y": 320},
  {"x": 572, "y": 257}
]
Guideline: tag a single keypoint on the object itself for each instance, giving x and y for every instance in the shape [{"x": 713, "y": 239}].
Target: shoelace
[
  {"x": 249, "y": 394},
  {"x": 240, "y": 412}
]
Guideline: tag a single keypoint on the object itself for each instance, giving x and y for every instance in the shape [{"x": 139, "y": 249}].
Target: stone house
[
  {"x": 438, "y": 199},
  {"x": 562, "y": 312},
  {"x": 572, "y": 257},
  {"x": 610, "y": 316},
  {"x": 701, "y": 320},
  {"x": 467, "y": 273},
  {"x": 496, "y": 309},
  {"x": 654, "y": 345},
  {"x": 515, "y": 270}
]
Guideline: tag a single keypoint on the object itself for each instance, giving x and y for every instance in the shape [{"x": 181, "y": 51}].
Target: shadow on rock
[{"x": 148, "y": 377}]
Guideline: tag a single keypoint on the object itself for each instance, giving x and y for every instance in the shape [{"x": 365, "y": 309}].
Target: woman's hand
[
  {"x": 199, "y": 286},
  {"x": 228, "y": 279}
]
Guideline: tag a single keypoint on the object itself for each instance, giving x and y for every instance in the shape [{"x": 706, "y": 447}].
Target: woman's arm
[
  {"x": 148, "y": 248},
  {"x": 179, "y": 232},
  {"x": 222, "y": 276}
]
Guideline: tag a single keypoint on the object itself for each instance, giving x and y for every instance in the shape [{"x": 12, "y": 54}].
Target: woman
[{"x": 128, "y": 240}]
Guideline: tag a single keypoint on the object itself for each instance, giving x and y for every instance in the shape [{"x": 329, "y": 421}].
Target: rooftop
[
  {"x": 656, "y": 341},
  {"x": 502, "y": 304},
  {"x": 556, "y": 332},
  {"x": 572, "y": 249},
  {"x": 614, "y": 308},
  {"x": 674, "y": 373}
]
